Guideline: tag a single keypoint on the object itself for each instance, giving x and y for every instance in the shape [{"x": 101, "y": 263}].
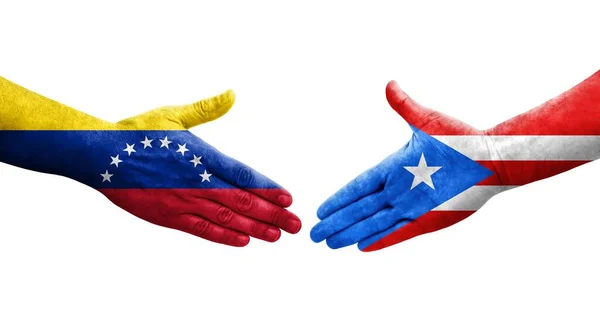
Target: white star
[
  {"x": 165, "y": 142},
  {"x": 196, "y": 160},
  {"x": 115, "y": 160},
  {"x": 182, "y": 149},
  {"x": 422, "y": 173},
  {"x": 205, "y": 176},
  {"x": 129, "y": 149},
  {"x": 147, "y": 142},
  {"x": 106, "y": 176}
]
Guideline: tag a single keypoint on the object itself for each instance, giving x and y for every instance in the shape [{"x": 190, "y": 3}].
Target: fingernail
[
  {"x": 242, "y": 240},
  {"x": 332, "y": 244},
  {"x": 293, "y": 225},
  {"x": 284, "y": 200},
  {"x": 272, "y": 234},
  {"x": 314, "y": 234}
]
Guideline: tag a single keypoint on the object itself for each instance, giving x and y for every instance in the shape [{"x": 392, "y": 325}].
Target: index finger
[
  {"x": 346, "y": 217},
  {"x": 365, "y": 184},
  {"x": 242, "y": 176}
]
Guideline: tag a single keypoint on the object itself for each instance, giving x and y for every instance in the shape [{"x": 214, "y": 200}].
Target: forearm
[
  {"x": 22, "y": 109},
  {"x": 552, "y": 138},
  {"x": 575, "y": 112},
  {"x": 39, "y": 134}
]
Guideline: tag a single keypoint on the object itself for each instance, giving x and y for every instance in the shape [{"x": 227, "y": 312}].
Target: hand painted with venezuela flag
[
  {"x": 149, "y": 165},
  {"x": 448, "y": 170}
]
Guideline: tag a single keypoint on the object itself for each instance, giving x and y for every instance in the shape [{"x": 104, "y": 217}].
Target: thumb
[
  {"x": 206, "y": 110},
  {"x": 414, "y": 113}
]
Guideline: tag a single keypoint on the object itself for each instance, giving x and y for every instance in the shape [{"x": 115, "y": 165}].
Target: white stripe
[
  {"x": 472, "y": 199},
  {"x": 525, "y": 148}
]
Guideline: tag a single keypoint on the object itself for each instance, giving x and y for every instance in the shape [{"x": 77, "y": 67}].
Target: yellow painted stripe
[{"x": 22, "y": 109}]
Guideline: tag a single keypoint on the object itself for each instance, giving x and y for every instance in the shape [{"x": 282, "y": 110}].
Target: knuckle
[
  {"x": 201, "y": 109},
  {"x": 227, "y": 236},
  {"x": 244, "y": 177},
  {"x": 253, "y": 227},
  {"x": 201, "y": 228},
  {"x": 275, "y": 215},
  {"x": 224, "y": 215},
  {"x": 368, "y": 206},
  {"x": 243, "y": 201}
]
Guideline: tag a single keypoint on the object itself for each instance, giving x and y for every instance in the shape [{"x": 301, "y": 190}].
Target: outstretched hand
[
  {"x": 173, "y": 178},
  {"x": 404, "y": 195},
  {"x": 153, "y": 167},
  {"x": 448, "y": 170}
]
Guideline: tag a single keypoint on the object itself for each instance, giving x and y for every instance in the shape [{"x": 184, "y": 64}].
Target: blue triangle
[{"x": 457, "y": 174}]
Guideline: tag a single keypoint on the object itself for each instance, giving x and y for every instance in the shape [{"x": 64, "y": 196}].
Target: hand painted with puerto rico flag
[
  {"x": 149, "y": 165},
  {"x": 448, "y": 170}
]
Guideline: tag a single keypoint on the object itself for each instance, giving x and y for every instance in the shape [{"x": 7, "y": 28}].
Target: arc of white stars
[
  {"x": 196, "y": 160},
  {"x": 182, "y": 149},
  {"x": 115, "y": 160},
  {"x": 106, "y": 176},
  {"x": 422, "y": 173},
  {"x": 129, "y": 149},
  {"x": 205, "y": 176},
  {"x": 147, "y": 142},
  {"x": 165, "y": 142}
]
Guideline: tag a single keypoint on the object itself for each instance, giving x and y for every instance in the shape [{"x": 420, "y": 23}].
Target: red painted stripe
[
  {"x": 509, "y": 173},
  {"x": 165, "y": 206},
  {"x": 426, "y": 223},
  {"x": 575, "y": 112},
  {"x": 518, "y": 173}
]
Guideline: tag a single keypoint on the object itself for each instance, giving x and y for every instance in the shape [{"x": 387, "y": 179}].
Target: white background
[{"x": 311, "y": 114}]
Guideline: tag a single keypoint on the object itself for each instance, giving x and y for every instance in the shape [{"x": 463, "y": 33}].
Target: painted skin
[{"x": 162, "y": 185}]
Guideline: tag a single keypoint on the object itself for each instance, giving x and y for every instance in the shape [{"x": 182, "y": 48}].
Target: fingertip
[
  {"x": 272, "y": 234},
  {"x": 293, "y": 224},
  {"x": 315, "y": 234},
  {"x": 395, "y": 95},
  {"x": 323, "y": 211},
  {"x": 284, "y": 200},
  {"x": 220, "y": 104},
  {"x": 391, "y": 85},
  {"x": 241, "y": 240},
  {"x": 229, "y": 95},
  {"x": 365, "y": 248},
  {"x": 269, "y": 190},
  {"x": 225, "y": 98},
  {"x": 333, "y": 244},
  {"x": 207, "y": 109}
]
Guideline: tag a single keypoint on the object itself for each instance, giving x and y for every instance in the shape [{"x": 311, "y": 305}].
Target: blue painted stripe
[{"x": 85, "y": 155}]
